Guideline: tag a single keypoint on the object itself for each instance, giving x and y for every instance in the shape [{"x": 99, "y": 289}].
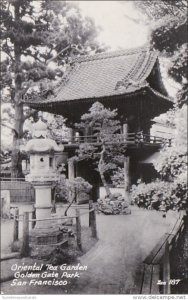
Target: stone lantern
[{"x": 42, "y": 152}]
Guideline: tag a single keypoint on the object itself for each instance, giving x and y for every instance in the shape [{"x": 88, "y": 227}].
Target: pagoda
[{"x": 127, "y": 80}]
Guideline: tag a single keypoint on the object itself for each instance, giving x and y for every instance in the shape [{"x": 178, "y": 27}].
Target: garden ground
[{"x": 114, "y": 263}]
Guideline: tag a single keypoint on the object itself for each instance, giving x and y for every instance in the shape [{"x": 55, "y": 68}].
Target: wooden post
[
  {"x": 33, "y": 217},
  {"x": 78, "y": 230},
  {"x": 71, "y": 169},
  {"x": 92, "y": 220},
  {"x": 146, "y": 280},
  {"x": 71, "y": 176},
  {"x": 90, "y": 207},
  {"x": 126, "y": 174},
  {"x": 155, "y": 278},
  {"x": 126, "y": 166},
  {"x": 166, "y": 270},
  {"x": 71, "y": 131},
  {"x": 25, "y": 243},
  {"x": 16, "y": 224}
]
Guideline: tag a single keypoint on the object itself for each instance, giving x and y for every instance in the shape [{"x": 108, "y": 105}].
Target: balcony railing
[
  {"x": 131, "y": 139},
  {"x": 134, "y": 139}
]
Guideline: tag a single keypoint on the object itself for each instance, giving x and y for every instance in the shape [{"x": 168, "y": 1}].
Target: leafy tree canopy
[
  {"x": 38, "y": 41},
  {"x": 168, "y": 24},
  {"x": 36, "y": 32},
  {"x": 169, "y": 36}
]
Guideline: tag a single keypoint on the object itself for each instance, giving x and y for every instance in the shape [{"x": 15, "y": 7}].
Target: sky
[
  {"x": 117, "y": 21},
  {"x": 122, "y": 27},
  {"x": 117, "y": 29}
]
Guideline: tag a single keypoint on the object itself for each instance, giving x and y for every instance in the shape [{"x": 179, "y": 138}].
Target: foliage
[
  {"x": 118, "y": 177},
  {"x": 41, "y": 32},
  {"x": 75, "y": 187},
  {"x": 79, "y": 184},
  {"x": 61, "y": 256},
  {"x": 168, "y": 23},
  {"x": 38, "y": 40},
  {"x": 102, "y": 121},
  {"x": 156, "y": 10},
  {"x": 171, "y": 192},
  {"x": 71, "y": 186},
  {"x": 60, "y": 189},
  {"x": 56, "y": 127},
  {"x": 173, "y": 160},
  {"x": 161, "y": 195},
  {"x": 169, "y": 36}
]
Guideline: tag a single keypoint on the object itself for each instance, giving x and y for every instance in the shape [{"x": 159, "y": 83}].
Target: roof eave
[{"x": 93, "y": 99}]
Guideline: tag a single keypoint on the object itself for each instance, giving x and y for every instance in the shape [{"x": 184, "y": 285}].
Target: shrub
[
  {"x": 79, "y": 184},
  {"x": 161, "y": 195}
]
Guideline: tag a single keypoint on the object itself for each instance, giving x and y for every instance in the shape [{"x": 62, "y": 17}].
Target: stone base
[
  {"x": 44, "y": 251},
  {"x": 43, "y": 241}
]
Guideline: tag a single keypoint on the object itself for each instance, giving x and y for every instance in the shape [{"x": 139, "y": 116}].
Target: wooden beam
[
  {"x": 16, "y": 225},
  {"x": 25, "y": 243},
  {"x": 78, "y": 230}
]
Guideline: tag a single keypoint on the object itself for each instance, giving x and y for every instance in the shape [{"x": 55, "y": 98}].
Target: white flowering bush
[
  {"x": 171, "y": 191},
  {"x": 173, "y": 160},
  {"x": 161, "y": 195}
]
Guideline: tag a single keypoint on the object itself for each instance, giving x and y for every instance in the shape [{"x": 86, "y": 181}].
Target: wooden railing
[
  {"x": 135, "y": 139},
  {"x": 25, "y": 218},
  {"x": 156, "y": 266}
]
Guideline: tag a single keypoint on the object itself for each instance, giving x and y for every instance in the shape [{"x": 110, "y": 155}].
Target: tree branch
[
  {"x": 71, "y": 46},
  {"x": 6, "y": 161},
  {"x": 101, "y": 171},
  {"x": 35, "y": 57},
  {"x": 7, "y": 50},
  {"x": 29, "y": 115},
  {"x": 7, "y": 126},
  {"x": 63, "y": 50},
  {"x": 25, "y": 89},
  {"x": 51, "y": 49},
  {"x": 136, "y": 21},
  {"x": 9, "y": 12}
]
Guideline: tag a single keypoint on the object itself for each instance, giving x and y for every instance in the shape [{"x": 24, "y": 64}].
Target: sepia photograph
[{"x": 93, "y": 159}]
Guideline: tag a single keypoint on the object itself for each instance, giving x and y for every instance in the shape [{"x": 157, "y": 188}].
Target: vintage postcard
[{"x": 94, "y": 148}]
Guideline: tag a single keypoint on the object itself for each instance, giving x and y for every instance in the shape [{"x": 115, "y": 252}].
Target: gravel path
[{"x": 114, "y": 263}]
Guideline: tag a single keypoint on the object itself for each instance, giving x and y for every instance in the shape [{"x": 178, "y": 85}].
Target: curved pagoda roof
[{"x": 108, "y": 75}]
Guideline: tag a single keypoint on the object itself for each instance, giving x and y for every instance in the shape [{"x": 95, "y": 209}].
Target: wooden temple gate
[{"x": 126, "y": 80}]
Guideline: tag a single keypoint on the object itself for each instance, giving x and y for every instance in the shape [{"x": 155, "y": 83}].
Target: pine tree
[
  {"x": 35, "y": 33},
  {"x": 168, "y": 23},
  {"x": 111, "y": 148}
]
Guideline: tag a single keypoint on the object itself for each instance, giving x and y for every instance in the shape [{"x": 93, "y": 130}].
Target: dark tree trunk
[
  {"x": 101, "y": 172},
  {"x": 16, "y": 168},
  {"x": 69, "y": 205}
]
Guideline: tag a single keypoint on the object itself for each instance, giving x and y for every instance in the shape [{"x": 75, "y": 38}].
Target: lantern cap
[
  {"x": 39, "y": 129},
  {"x": 43, "y": 146}
]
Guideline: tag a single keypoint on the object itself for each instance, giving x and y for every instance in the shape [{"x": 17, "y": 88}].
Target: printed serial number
[
  {"x": 174, "y": 281},
  {"x": 171, "y": 282}
]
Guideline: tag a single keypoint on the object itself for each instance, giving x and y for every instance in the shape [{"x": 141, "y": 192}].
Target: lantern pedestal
[
  {"x": 46, "y": 236},
  {"x": 43, "y": 204},
  {"x": 43, "y": 153}
]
